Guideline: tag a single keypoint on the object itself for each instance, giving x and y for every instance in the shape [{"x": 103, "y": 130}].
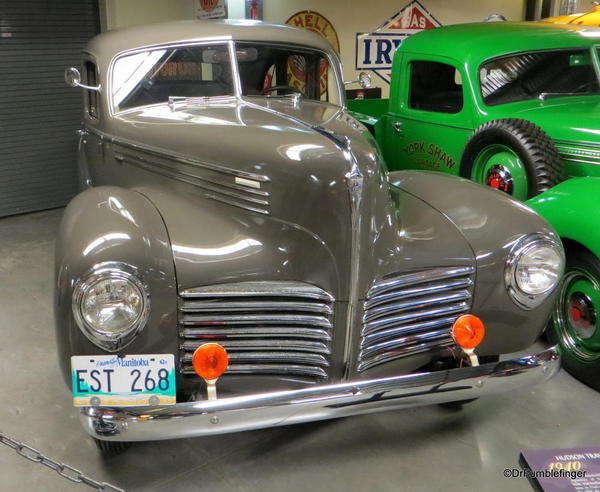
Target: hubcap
[
  {"x": 499, "y": 178},
  {"x": 499, "y": 167},
  {"x": 576, "y": 315}
]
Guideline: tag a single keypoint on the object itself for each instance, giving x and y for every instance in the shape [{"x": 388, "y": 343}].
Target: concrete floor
[{"x": 418, "y": 449}]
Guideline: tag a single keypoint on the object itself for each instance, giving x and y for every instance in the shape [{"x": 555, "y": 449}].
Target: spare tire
[{"x": 514, "y": 156}]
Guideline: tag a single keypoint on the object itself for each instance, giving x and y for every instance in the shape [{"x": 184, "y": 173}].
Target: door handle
[{"x": 397, "y": 126}]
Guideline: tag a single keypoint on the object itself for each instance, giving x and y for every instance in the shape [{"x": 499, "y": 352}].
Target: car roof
[
  {"x": 478, "y": 42},
  {"x": 110, "y": 43}
]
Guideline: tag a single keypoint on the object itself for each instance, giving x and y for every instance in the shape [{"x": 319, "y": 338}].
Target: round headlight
[
  {"x": 111, "y": 305},
  {"x": 535, "y": 266}
]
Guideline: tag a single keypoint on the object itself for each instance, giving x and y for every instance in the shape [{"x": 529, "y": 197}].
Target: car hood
[
  {"x": 573, "y": 118},
  {"x": 289, "y": 162}
]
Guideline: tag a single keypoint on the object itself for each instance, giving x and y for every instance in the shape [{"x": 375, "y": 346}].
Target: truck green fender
[
  {"x": 369, "y": 112},
  {"x": 573, "y": 209}
]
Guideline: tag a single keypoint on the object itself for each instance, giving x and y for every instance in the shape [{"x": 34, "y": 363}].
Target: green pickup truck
[{"x": 513, "y": 106}]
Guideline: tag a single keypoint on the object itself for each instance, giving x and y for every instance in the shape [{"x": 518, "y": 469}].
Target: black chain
[{"x": 65, "y": 471}]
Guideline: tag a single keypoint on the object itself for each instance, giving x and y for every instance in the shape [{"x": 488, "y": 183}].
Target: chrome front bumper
[{"x": 202, "y": 418}]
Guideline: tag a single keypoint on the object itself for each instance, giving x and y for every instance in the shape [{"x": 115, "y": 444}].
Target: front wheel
[
  {"x": 513, "y": 156},
  {"x": 575, "y": 324}
]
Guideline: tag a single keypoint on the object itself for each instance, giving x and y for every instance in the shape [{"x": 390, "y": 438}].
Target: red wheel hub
[
  {"x": 499, "y": 178},
  {"x": 582, "y": 314}
]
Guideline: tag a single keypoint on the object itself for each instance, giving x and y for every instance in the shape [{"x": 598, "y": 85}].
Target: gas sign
[{"x": 375, "y": 50}]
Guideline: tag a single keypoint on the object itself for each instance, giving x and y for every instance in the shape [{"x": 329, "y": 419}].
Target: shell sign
[
  {"x": 315, "y": 22},
  {"x": 375, "y": 50}
]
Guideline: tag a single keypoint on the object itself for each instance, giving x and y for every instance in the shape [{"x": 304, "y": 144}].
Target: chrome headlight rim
[
  {"x": 523, "y": 246},
  {"x": 110, "y": 271}
]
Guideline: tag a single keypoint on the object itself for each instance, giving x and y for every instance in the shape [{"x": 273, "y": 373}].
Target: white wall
[
  {"x": 347, "y": 16},
  {"x": 350, "y": 17},
  {"x": 121, "y": 13}
]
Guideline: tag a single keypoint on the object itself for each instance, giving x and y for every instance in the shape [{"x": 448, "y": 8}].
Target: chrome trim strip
[
  {"x": 401, "y": 344},
  {"x": 179, "y": 174},
  {"x": 257, "y": 332},
  {"x": 196, "y": 181},
  {"x": 372, "y": 326},
  {"x": 418, "y": 303},
  {"x": 236, "y": 204},
  {"x": 259, "y": 288},
  {"x": 417, "y": 278},
  {"x": 268, "y": 319},
  {"x": 270, "y": 357},
  {"x": 403, "y": 352},
  {"x": 274, "y": 369},
  {"x": 578, "y": 144},
  {"x": 204, "y": 305},
  {"x": 417, "y": 291},
  {"x": 581, "y": 161},
  {"x": 270, "y": 345},
  {"x": 374, "y": 337},
  {"x": 240, "y": 413},
  {"x": 176, "y": 156}
]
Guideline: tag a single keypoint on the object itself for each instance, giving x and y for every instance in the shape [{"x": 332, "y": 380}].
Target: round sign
[
  {"x": 208, "y": 5},
  {"x": 315, "y": 22}
]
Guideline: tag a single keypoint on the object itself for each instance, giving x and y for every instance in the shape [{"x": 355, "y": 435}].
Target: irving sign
[{"x": 375, "y": 50}]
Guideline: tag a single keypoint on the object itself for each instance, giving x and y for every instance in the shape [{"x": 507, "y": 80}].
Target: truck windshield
[
  {"x": 278, "y": 71},
  {"x": 154, "y": 76},
  {"x": 538, "y": 75}
]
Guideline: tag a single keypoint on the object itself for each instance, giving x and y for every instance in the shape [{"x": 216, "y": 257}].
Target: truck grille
[
  {"x": 412, "y": 313},
  {"x": 279, "y": 328}
]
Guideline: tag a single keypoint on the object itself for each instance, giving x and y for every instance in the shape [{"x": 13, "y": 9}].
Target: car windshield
[
  {"x": 280, "y": 71},
  {"x": 539, "y": 74},
  {"x": 154, "y": 76}
]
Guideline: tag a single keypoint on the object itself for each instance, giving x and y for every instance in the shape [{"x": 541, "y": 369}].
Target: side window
[
  {"x": 91, "y": 97},
  {"x": 435, "y": 87}
]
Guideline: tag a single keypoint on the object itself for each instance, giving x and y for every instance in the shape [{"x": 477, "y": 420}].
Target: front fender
[
  {"x": 114, "y": 224},
  {"x": 572, "y": 209},
  {"x": 491, "y": 222}
]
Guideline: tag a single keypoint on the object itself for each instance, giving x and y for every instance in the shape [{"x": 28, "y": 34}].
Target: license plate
[{"x": 133, "y": 380}]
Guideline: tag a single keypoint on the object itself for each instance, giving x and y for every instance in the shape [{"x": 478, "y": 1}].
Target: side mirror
[
  {"x": 364, "y": 80},
  {"x": 73, "y": 79}
]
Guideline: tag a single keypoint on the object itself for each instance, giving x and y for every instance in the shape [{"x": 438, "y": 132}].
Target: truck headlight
[
  {"x": 111, "y": 305},
  {"x": 534, "y": 269}
]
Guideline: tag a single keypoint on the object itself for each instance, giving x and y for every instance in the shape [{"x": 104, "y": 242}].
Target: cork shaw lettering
[{"x": 432, "y": 150}]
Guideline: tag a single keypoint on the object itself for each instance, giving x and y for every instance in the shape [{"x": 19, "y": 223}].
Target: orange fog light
[
  {"x": 210, "y": 361},
  {"x": 468, "y": 331}
]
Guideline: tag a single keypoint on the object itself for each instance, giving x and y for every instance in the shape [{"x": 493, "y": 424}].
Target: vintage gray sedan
[{"x": 230, "y": 199}]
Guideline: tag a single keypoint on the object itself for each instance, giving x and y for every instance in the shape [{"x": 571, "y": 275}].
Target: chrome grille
[
  {"x": 412, "y": 313},
  {"x": 279, "y": 328}
]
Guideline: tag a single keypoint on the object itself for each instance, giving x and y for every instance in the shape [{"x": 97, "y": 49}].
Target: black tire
[
  {"x": 458, "y": 405},
  {"x": 112, "y": 448},
  {"x": 580, "y": 362},
  {"x": 533, "y": 146}
]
